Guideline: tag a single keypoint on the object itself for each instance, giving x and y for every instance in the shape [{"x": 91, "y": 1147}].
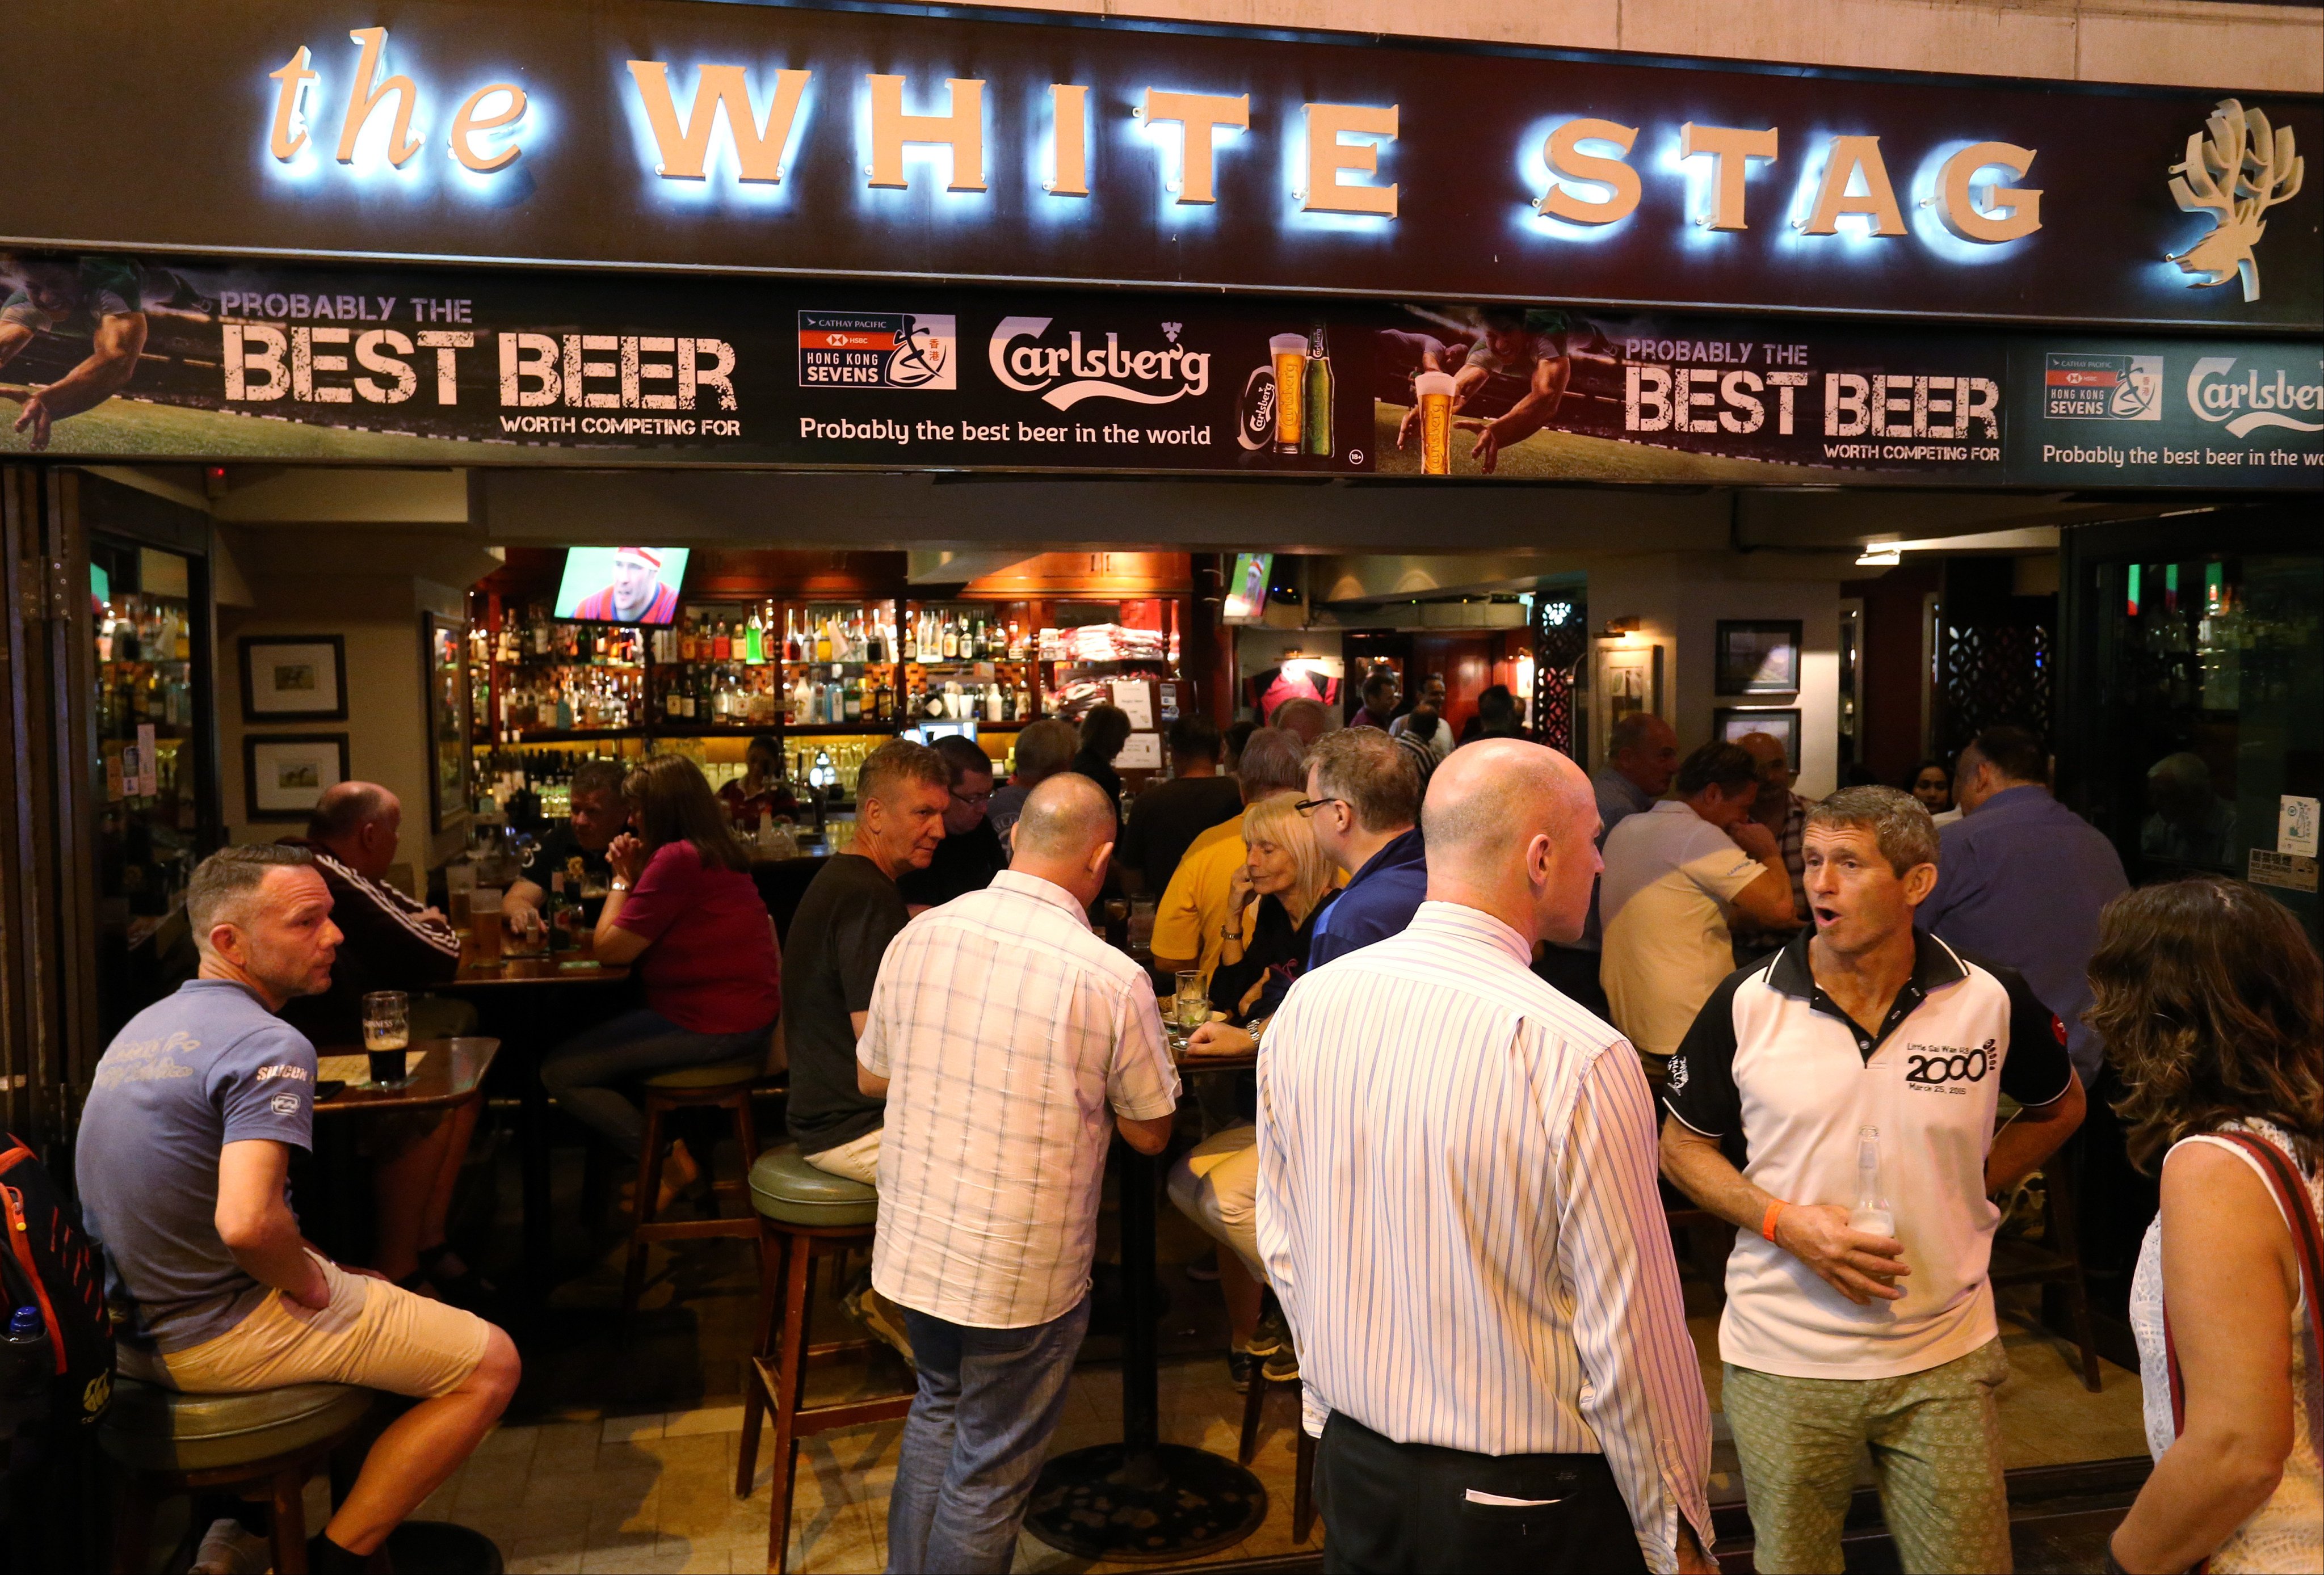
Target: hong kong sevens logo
[{"x": 1939, "y": 1066}]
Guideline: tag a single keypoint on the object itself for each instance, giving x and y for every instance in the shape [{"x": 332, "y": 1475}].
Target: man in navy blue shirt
[
  {"x": 1363, "y": 799},
  {"x": 2022, "y": 880}
]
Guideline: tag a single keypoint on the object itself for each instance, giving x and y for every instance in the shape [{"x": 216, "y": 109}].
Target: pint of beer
[
  {"x": 1289, "y": 352},
  {"x": 1434, "y": 390}
]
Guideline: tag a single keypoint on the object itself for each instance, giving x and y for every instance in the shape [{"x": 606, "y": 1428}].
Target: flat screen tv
[
  {"x": 1247, "y": 587},
  {"x": 622, "y": 585}
]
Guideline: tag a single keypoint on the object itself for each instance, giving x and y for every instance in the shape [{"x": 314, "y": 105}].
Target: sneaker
[
  {"x": 1283, "y": 1366},
  {"x": 1241, "y": 1365},
  {"x": 228, "y": 1550},
  {"x": 878, "y": 1315},
  {"x": 1272, "y": 1334}
]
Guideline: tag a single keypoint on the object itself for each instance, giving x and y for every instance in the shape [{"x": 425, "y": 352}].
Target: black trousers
[{"x": 1394, "y": 1508}]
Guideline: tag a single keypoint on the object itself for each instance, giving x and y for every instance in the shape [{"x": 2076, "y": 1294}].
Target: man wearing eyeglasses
[{"x": 970, "y": 854}]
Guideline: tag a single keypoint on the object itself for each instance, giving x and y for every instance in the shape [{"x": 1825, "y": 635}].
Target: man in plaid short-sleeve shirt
[{"x": 1011, "y": 1042}]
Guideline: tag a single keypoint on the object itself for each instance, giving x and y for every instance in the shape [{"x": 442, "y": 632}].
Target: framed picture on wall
[
  {"x": 1730, "y": 722},
  {"x": 1758, "y": 657},
  {"x": 444, "y": 652},
  {"x": 283, "y": 774},
  {"x": 294, "y": 677},
  {"x": 1627, "y": 678}
]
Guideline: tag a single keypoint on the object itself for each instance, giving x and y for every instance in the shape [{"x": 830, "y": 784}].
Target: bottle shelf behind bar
[{"x": 743, "y": 668}]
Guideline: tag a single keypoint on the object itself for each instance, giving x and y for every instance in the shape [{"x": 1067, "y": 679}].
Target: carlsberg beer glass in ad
[
  {"x": 1290, "y": 354},
  {"x": 1434, "y": 390}
]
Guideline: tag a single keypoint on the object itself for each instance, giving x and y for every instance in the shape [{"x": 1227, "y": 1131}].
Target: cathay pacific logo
[
  {"x": 2246, "y": 403},
  {"x": 1024, "y": 358}
]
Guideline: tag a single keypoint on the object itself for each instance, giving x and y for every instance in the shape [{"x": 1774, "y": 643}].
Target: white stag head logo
[{"x": 2235, "y": 169}]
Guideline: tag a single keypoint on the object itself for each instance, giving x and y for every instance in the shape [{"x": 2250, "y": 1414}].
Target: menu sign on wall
[{"x": 113, "y": 355}]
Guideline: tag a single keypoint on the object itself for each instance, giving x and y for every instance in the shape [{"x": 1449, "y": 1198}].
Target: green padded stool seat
[
  {"x": 710, "y": 1073},
  {"x": 785, "y": 1187},
  {"x": 150, "y": 1428}
]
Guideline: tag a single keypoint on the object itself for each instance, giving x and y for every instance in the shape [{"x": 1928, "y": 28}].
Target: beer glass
[
  {"x": 1434, "y": 390},
  {"x": 387, "y": 1034},
  {"x": 484, "y": 924},
  {"x": 1289, "y": 352}
]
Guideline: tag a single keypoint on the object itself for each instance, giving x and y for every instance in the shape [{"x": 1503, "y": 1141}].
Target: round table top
[{"x": 442, "y": 1072}]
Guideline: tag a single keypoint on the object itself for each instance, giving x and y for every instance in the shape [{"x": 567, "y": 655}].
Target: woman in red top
[{"x": 682, "y": 907}]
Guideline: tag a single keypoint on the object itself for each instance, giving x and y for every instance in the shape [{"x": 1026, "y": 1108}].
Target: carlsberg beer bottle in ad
[
  {"x": 1316, "y": 410},
  {"x": 1434, "y": 390},
  {"x": 1290, "y": 354}
]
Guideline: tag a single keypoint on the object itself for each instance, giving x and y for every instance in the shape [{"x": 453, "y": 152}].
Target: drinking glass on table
[
  {"x": 387, "y": 1034},
  {"x": 484, "y": 925}
]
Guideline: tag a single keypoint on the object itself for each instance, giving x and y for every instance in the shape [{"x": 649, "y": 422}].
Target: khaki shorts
[{"x": 374, "y": 1334}]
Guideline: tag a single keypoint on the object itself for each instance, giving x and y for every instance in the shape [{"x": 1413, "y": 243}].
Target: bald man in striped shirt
[{"x": 1457, "y": 1207}]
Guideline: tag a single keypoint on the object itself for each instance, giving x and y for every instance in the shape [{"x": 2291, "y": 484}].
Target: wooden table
[
  {"x": 517, "y": 992},
  {"x": 1143, "y": 1500},
  {"x": 443, "y": 1072}
]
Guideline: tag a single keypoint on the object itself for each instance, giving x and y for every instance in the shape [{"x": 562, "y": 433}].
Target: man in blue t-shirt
[
  {"x": 183, "y": 1163},
  {"x": 1363, "y": 799}
]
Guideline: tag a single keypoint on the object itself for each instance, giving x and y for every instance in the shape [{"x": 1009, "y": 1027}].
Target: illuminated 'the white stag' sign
[{"x": 705, "y": 124}]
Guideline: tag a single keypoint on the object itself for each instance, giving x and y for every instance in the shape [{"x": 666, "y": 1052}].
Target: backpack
[{"x": 50, "y": 1263}]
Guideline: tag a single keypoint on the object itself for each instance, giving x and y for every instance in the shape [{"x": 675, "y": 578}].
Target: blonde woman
[{"x": 1283, "y": 887}]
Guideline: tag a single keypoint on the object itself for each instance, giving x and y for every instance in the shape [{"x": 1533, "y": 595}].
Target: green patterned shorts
[{"x": 1936, "y": 1449}]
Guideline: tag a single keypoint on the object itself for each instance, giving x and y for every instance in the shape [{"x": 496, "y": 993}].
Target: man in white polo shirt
[
  {"x": 1673, "y": 876},
  {"x": 1836, "y": 1337}
]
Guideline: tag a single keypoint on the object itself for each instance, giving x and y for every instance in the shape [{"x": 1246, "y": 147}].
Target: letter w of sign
[
  {"x": 2238, "y": 172},
  {"x": 758, "y": 145}
]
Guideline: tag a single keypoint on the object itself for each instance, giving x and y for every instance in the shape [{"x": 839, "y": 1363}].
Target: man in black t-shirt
[
  {"x": 970, "y": 854},
  {"x": 1167, "y": 818},
  {"x": 831, "y": 959},
  {"x": 599, "y": 812}
]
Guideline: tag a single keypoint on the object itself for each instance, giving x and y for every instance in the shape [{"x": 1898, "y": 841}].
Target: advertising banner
[{"x": 107, "y": 356}]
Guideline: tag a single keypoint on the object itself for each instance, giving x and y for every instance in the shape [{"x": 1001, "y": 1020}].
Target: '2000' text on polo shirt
[{"x": 1773, "y": 1062}]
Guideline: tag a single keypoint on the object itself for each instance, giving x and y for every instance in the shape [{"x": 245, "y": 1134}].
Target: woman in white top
[{"x": 2210, "y": 1002}]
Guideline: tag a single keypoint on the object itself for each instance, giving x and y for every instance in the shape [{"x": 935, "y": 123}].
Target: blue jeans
[
  {"x": 631, "y": 1045},
  {"x": 989, "y": 1399}
]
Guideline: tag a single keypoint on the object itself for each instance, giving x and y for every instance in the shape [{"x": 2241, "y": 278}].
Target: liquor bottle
[
  {"x": 823, "y": 640},
  {"x": 1871, "y": 1211},
  {"x": 1316, "y": 410},
  {"x": 911, "y": 639},
  {"x": 992, "y": 703},
  {"x": 875, "y": 647},
  {"x": 753, "y": 641},
  {"x": 884, "y": 703},
  {"x": 1024, "y": 702},
  {"x": 951, "y": 647},
  {"x": 852, "y": 699}
]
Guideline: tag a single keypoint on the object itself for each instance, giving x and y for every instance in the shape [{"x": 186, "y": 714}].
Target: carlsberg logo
[
  {"x": 2253, "y": 400},
  {"x": 1065, "y": 375}
]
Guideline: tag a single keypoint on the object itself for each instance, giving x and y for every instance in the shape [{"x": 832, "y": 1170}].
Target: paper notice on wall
[
  {"x": 2285, "y": 871},
  {"x": 148, "y": 771},
  {"x": 1143, "y": 753},
  {"x": 1133, "y": 696},
  {"x": 2295, "y": 826}
]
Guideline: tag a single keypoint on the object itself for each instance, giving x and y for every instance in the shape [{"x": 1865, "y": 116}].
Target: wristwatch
[
  {"x": 617, "y": 886},
  {"x": 1227, "y": 935}
]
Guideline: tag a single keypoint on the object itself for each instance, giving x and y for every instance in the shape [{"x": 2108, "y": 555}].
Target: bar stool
[
  {"x": 804, "y": 1214},
  {"x": 2057, "y": 1260},
  {"x": 1302, "y": 1469},
  {"x": 727, "y": 1085},
  {"x": 271, "y": 1441}
]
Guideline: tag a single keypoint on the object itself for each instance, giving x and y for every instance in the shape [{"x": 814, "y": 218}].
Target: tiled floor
[
  {"x": 654, "y": 1492},
  {"x": 589, "y": 1474}
]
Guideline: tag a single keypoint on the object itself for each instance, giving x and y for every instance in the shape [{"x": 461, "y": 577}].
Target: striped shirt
[
  {"x": 1011, "y": 1035},
  {"x": 1457, "y": 1207}
]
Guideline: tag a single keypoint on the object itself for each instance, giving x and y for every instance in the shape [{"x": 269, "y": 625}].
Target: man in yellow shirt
[{"x": 1196, "y": 905}]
